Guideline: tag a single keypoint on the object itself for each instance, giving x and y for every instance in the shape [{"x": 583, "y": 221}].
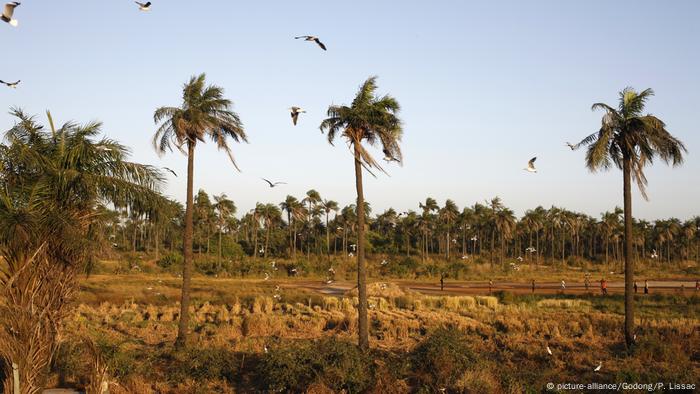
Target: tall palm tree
[
  {"x": 630, "y": 140},
  {"x": 370, "y": 119},
  {"x": 204, "y": 113},
  {"x": 291, "y": 205}
]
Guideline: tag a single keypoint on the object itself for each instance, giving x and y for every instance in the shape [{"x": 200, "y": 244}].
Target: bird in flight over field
[
  {"x": 531, "y": 165},
  {"x": 273, "y": 184},
  {"x": 600, "y": 365},
  {"x": 295, "y": 114},
  {"x": 170, "y": 171},
  {"x": 549, "y": 350},
  {"x": 12, "y": 85},
  {"x": 7, "y": 13},
  {"x": 312, "y": 38},
  {"x": 144, "y": 6},
  {"x": 570, "y": 145}
]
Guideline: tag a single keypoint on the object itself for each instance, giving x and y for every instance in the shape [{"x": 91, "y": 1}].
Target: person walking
[
  {"x": 442, "y": 281},
  {"x": 563, "y": 285},
  {"x": 604, "y": 286},
  {"x": 490, "y": 285},
  {"x": 586, "y": 283},
  {"x": 697, "y": 286},
  {"x": 646, "y": 286},
  {"x": 635, "y": 287},
  {"x": 533, "y": 286}
]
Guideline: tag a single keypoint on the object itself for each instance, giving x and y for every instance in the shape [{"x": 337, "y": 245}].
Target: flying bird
[
  {"x": 295, "y": 114},
  {"x": 600, "y": 365},
  {"x": 144, "y": 6},
  {"x": 12, "y": 85},
  {"x": 273, "y": 184},
  {"x": 388, "y": 157},
  {"x": 549, "y": 350},
  {"x": 312, "y": 38},
  {"x": 531, "y": 165},
  {"x": 7, "y": 13},
  {"x": 267, "y": 276},
  {"x": 170, "y": 171},
  {"x": 570, "y": 145}
]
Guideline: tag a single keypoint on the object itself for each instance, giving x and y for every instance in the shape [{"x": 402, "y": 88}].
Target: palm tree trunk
[
  {"x": 363, "y": 328},
  {"x": 267, "y": 238},
  {"x": 629, "y": 263},
  {"x": 219, "y": 263},
  {"x": 182, "y": 329},
  {"x": 157, "y": 243},
  {"x": 328, "y": 237}
]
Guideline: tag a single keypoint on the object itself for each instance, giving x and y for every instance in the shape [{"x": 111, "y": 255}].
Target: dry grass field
[{"x": 251, "y": 336}]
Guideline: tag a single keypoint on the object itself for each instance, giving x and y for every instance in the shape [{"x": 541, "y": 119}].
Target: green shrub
[
  {"x": 440, "y": 359},
  {"x": 171, "y": 260},
  {"x": 337, "y": 364},
  {"x": 203, "y": 364}
]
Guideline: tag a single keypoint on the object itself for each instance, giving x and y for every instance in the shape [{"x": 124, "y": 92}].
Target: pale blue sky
[{"x": 484, "y": 86}]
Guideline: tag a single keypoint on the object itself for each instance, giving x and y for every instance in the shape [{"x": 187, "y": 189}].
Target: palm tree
[
  {"x": 225, "y": 208},
  {"x": 53, "y": 188},
  {"x": 271, "y": 215},
  {"x": 291, "y": 206},
  {"x": 449, "y": 213},
  {"x": 505, "y": 225},
  {"x": 204, "y": 112},
  {"x": 630, "y": 140},
  {"x": 371, "y": 119},
  {"x": 328, "y": 206}
]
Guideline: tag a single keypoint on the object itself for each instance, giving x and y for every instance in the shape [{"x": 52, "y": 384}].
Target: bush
[
  {"x": 203, "y": 364},
  {"x": 171, "y": 260},
  {"x": 338, "y": 365},
  {"x": 441, "y": 359}
]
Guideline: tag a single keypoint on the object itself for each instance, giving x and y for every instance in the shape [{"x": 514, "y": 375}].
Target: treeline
[{"x": 301, "y": 227}]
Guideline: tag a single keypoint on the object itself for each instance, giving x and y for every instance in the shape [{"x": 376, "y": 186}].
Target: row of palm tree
[{"x": 490, "y": 230}]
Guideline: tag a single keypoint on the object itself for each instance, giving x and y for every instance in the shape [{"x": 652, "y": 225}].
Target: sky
[{"x": 483, "y": 86}]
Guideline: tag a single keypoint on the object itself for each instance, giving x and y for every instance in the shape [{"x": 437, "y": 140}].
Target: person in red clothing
[
  {"x": 604, "y": 286},
  {"x": 697, "y": 285}
]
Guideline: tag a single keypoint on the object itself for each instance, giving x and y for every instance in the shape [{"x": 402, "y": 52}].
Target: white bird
[
  {"x": 388, "y": 157},
  {"x": 295, "y": 114},
  {"x": 272, "y": 263},
  {"x": 350, "y": 254},
  {"x": 600, "y": 365},
  {"x": 570, "y": 145},
  {"x": 312, "y": 38},
  {"x": 465, "y": 257},
  {"x": 170, "y": 171},
  {"x": 384, "y": 262},
  {"x": 519, "y": 258},
  {"x": 144, "y": 6},
  {"x": 474, "y": 238},
  {"x": 273, "y": 184},
  {"x": 277, "y": 288},
  {"x": 7, "y": 14},
  {"x": 549, "y": 350},
  {"x": 265, "y": 349},
  {"x": 267, "y": 276},
  {"x": 353, "y": 246},
  {"x": 531, "y": 165},
  {"x": 531, "y": 249},
  {"x": 12, "y": 85},
  {"x": 329, "y": 281}
]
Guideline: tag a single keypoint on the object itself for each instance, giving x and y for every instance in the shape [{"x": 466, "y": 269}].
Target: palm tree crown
[
  {"x": 626, "y": 131},
  {"x": 204, "y": 112}
]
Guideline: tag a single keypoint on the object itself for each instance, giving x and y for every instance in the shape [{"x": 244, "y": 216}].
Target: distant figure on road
[
  {"x": 563, "y": 285},
  {"x": 490, "y": 285},
  {"x": 635, "y": 287},
  {"x": 533, "y": 285},
  {"x": 697, "y": 285},
  {"x": 646, "y": 286},
  {"x": 442, "y": 281},
  {"x": 682, "y": 288},
  {"x": 604, "y": 286},
  {"x": 586, "y": 283}
]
